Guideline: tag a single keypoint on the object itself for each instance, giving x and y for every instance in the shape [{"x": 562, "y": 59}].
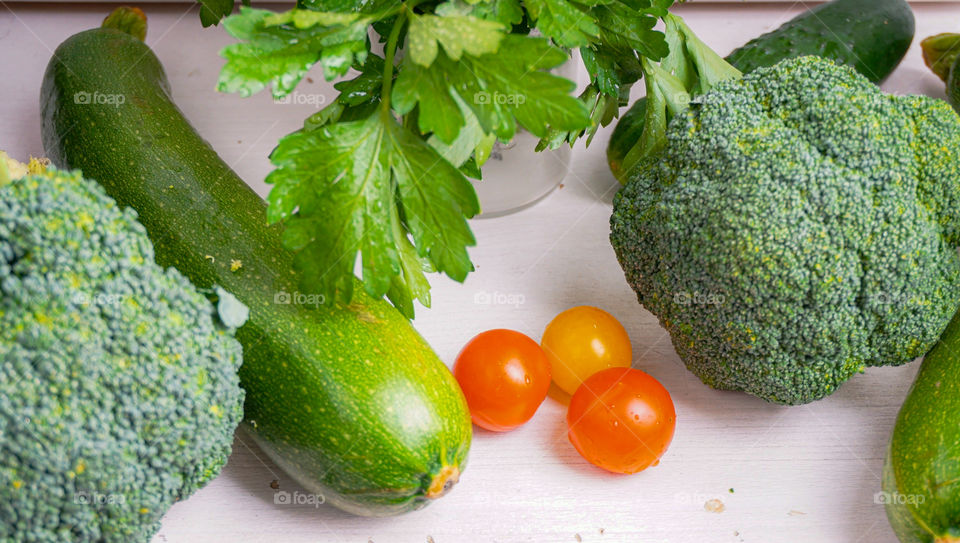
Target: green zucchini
[
  {"x": 953, "y": 85},
  {"x": 941, "y": 53},
  {"x": 348, "y": 399},
  {"x": 921, "y": 475},
  {"x": 870, "y": 35}
]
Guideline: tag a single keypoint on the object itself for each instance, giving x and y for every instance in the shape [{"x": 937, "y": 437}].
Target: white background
[{"x": 800, "y": 474}]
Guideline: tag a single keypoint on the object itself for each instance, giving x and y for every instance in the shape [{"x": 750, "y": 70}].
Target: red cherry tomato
[
  {"x": 504, "y": 376},
  {"x": 621, "y": 419}
]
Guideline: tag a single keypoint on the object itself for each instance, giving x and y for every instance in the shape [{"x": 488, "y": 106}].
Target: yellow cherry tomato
[{"x": 582, "y": 341}]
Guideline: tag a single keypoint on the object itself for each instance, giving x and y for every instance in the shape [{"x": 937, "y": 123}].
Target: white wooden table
[{"x": 801, "y": 474}]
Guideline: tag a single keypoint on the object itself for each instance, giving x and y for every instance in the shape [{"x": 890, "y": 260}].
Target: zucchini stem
[
  {"x": 443, "y": 482},
  {"x": 130, "y": 20}
]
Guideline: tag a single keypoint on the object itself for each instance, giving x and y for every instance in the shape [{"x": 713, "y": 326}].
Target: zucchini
[
  {"x": 921, "y": 475},
  {"x": 347, "y": 398},
  {"x": 953, "y": 85},
  {"x": 941, "y": 53},
  {"x": 870, "y": 35}
]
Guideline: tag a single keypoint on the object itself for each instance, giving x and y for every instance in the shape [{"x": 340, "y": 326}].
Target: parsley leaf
[
  {"x": 565, "y": 22},
  {"x": 627, "y": 25},
  {"x": 620, "y": 34},
  {"x": 280, "y": 48},
  {"x": 500, "y": 89},
  {"x": 505, "y": 12},
  {"x": 472, "y": 141},
  {"x": 362, "y": 186},
  {"x": 380, "y": 174},
  {"x": 456, "y": 33}
]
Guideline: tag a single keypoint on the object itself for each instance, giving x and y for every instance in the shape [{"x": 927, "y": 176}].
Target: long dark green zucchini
[
  {"x": 921, "y": 475},
  {"x": 870, "y": 35},
  {"x": 348, "y": 399}
]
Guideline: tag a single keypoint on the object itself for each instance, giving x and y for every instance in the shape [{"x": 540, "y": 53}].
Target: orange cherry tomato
[
  {"x": 582, "y": 341},
  {"x": 621, "y": 420},
  {"x": 504, "y": 376}
]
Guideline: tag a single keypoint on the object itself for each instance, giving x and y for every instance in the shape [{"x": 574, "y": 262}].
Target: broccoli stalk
[{"x": 690, "y": 69}]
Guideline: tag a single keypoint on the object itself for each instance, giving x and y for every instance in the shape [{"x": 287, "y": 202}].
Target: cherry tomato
[
  {"x": 504, "y": 376},
  {"x": 621, "y": 419},
  {"x": 582, "y": 341}
]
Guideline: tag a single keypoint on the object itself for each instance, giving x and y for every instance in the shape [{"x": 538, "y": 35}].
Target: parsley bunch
[{"x": 383, "y": 170}]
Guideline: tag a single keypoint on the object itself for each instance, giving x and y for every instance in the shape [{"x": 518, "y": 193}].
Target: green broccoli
[
  {"x": 799, "y": 226},
  {"x": 119, "y": 392}
]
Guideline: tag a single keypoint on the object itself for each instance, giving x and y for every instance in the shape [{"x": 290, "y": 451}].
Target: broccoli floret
[
  {"x": 800, "y": 226},
  {"x": 119, "y": 392}
]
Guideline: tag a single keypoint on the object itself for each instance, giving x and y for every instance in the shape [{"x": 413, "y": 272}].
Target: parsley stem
[{"x": 389, "y": 54}]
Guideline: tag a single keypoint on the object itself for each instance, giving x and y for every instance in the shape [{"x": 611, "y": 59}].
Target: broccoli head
[
  {"x": 799, "y": 226},
  {"x": 119, "y": 392}
]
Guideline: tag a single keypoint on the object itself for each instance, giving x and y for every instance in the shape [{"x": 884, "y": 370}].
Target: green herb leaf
[
  {"x": 501, "y": 90},
  {"x": 568, "y": 24},
  {"x": 472, "y": 141},
  {"x": 278, "y": 49},
  {"x": 381, "y": 171},
  {"x": 627, "y": 25},
  {"x": 364, "y": 186},
  {"x": 505, "y": 12},
  {"x": 603, "y": 70},
  {"x": 603, "y": 109},
  {"x": 456, "y": 33},
  {"x": 621, "y": 32},
  {"x": 365, "y": 7}
]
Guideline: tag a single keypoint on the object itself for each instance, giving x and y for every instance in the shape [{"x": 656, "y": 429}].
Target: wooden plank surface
[{"x": 802, "y": 474}]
